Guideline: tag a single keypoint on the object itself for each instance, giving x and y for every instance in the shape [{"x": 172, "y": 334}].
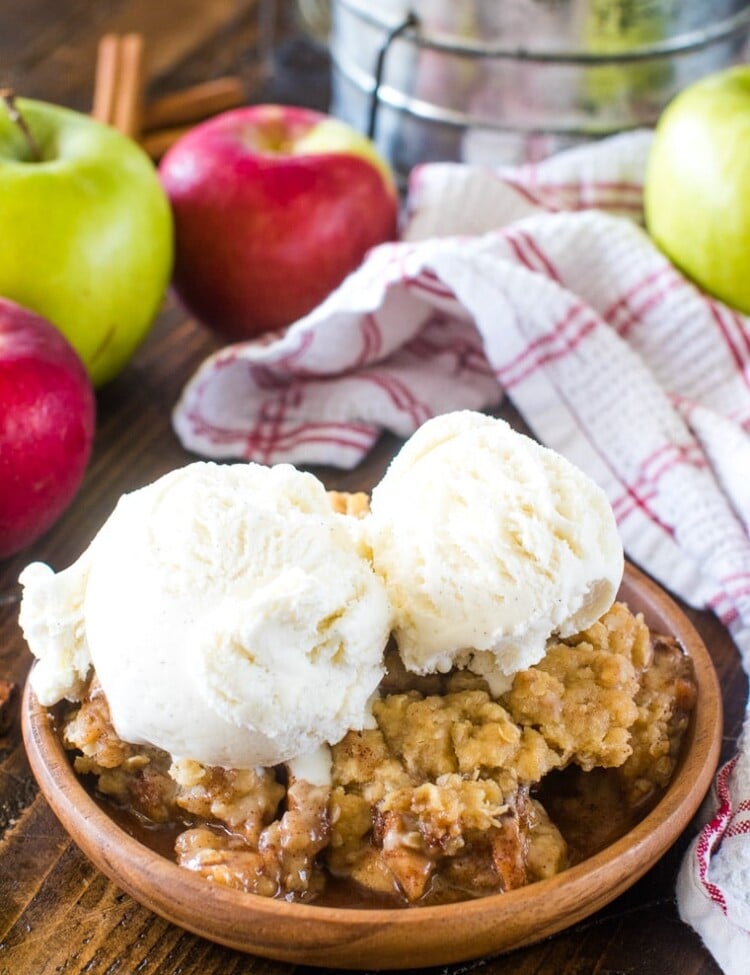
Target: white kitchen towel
[{"x": 538, "y": 283}]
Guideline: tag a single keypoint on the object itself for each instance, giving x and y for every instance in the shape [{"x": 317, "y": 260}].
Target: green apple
[
  {"x": 85, "y": 231},
  {"x": 697, "y": 191}
]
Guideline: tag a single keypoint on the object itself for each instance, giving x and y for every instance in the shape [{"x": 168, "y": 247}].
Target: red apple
[
  {"x": 46, "y": 425},
  {"x": 273, "y": 207}
]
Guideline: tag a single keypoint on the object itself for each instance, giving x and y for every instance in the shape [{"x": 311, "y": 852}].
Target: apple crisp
[{"x": 446, "y": 797}]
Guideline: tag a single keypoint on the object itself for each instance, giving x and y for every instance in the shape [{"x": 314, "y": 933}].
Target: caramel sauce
[
  {"x": 590, "y": 809},
  {"x": 587, "y": 807}
]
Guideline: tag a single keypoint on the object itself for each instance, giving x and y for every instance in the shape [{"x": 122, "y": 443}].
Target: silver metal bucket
[{"x": 506, "y": 81}]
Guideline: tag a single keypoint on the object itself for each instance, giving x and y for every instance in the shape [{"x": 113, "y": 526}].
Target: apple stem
[{"x": 9, "y": 97}]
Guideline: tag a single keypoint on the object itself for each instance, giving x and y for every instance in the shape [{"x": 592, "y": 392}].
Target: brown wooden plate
[{"x": 396, "y": 938}]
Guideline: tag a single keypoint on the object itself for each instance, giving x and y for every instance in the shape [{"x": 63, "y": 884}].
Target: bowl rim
[{"x": 144, "y": 873}]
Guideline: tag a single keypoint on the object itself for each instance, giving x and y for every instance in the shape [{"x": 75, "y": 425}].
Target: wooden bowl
[{"x": 394, "y": 938}]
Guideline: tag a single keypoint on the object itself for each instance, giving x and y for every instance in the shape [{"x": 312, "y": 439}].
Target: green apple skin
[
  {"x": 86, "y": 236},
  {"x": 697, "y": 189}
]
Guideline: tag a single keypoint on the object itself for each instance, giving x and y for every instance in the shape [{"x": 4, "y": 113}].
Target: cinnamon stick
[
  {"x": 127, "y": 116},
  {"x": 155, "y": 144},
  {"x": 193, "y": 104},
  {"x": 105, "y": 85},
  {"x": 118, "y": 88}
]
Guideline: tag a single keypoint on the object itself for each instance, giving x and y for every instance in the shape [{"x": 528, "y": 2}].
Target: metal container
[{"x": 506, "y": 81}]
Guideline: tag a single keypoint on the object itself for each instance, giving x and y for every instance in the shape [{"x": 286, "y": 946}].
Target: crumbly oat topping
[
  {"x": 581, "y": 696},
  {"x": 436, "y": 802}
]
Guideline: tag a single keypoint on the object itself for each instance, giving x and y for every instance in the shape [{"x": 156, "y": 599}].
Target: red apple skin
[
  {"x": 263, "y": 236},
  {"x": 47, "y": 418}
]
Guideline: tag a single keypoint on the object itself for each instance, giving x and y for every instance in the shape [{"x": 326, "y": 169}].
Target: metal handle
[{"x": 410, "y": 21}]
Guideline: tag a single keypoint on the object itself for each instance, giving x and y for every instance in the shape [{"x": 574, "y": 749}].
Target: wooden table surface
[{"x": 58, "y": 914}]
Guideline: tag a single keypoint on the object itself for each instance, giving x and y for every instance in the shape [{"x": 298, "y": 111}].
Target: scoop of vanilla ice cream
[
  {"x": 231, "y": 617},
  {"x": 488, "y": 543},
  {"x": 51, "y": 617}
]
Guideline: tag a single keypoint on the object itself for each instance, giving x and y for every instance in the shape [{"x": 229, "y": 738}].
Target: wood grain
[
  {"x": 58, "y": 914},
  {"x": 48, "y": 49}
]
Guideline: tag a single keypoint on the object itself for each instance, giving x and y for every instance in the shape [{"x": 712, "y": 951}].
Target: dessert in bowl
[{"x": 434, "y": 778}]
